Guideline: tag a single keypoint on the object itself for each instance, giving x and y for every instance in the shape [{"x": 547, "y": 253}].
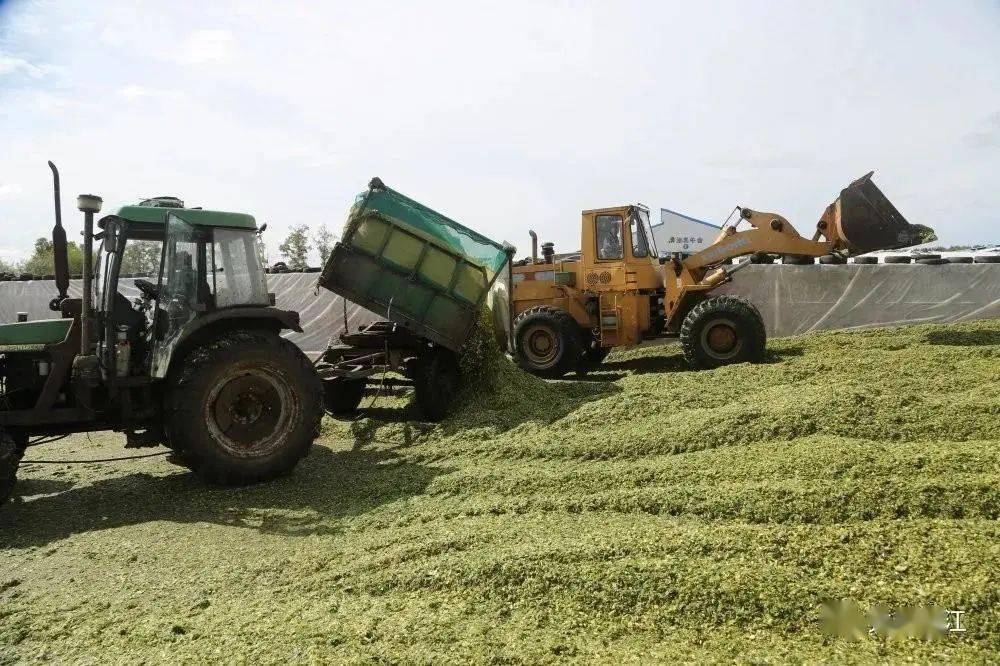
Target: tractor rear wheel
[
  {"x": 723, "y": 330},
  {"x": 243, "y": 408},
  {"x": 435, "y": 383},
  {"x": 341, "y": 396},
  {"x": 547, "y": 341},
  {"x": 10, "y": 458}
]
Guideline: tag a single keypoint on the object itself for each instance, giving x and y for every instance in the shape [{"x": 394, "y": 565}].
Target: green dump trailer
[{"x": 428, "y": 276}]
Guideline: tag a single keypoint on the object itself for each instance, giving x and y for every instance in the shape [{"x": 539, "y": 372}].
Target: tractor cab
[{"x": 208, "y": 263}]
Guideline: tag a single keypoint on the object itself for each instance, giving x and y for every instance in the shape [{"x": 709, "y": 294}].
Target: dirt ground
[{"x": 640, "y": 513}]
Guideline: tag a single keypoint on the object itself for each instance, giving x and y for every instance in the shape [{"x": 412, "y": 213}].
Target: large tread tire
[
  {"x": 10, "y": 458},
  {"x": 436, "y": 379},
  {"x": 341, "y": 396},
  {"x": 723, "y": 330},
  {"x": 243, "y": 408},
  {"x": 531, "y": 329}
]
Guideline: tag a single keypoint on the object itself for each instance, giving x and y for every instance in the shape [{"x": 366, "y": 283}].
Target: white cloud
[
  {"x": 12, "y": 65},
  {"x": 135, "y": 92},
  {"x": 10, "y": 191},
  {"x": 207, "y": 46}
]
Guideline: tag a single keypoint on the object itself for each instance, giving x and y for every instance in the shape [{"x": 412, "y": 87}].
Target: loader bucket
[{"x": 866, "y": 220}]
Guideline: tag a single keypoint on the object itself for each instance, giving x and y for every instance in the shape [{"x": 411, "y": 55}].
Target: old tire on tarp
[
  {"x": 436, "y": 378},
  {"x": 342, "y": 395},
  {"x": 865, "y": 260},
  {"x": 547, "y": 341},
  {"x": 10, "y": 457},
  {"x": 243, "y": 408},
  {"x": 987, "y": 259},
  {"x": 897, "y": 259},
  {"x": 722, "y": 330}
]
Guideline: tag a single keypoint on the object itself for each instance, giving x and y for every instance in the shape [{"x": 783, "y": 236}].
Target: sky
[{"x": 506, "y": 115}]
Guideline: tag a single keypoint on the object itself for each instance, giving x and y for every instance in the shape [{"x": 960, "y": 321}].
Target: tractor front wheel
[
  {"x": 10, "y": 458},
  {"x": 342, "y": 395},
  {"x": 723, "y": 330},
  {"x": 243, "y": 408},
  {"x": 547, "y": 341}
]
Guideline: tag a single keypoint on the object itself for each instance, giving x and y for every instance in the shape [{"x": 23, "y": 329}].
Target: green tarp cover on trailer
[{"x": 429, "y": 223}]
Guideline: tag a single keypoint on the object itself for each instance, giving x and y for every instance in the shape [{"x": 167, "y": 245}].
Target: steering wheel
[{"x": 147, "y": 288}]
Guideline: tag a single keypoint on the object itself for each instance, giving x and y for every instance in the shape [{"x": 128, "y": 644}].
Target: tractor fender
[{"x": 219, "y": 322}]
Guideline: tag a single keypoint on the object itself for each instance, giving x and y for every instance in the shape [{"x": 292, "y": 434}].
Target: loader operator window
[
  {"x": 609, "y": 237},
  {"x": 640, "y": 248}
]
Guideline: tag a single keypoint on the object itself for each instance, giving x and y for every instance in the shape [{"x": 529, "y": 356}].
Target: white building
[{"x": 677, "y": 232}]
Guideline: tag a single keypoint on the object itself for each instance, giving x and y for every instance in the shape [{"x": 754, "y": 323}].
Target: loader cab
[
  {"x": 206, "y": 261},
  {"x": 617, "y": 247}
]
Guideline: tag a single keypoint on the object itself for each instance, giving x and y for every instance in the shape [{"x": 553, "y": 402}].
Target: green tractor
[{"x": 196, "y": 361}]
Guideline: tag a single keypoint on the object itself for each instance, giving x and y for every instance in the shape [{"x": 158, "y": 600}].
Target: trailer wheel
[
  {"x": 243, "y": 408},
  {"x": 435, "y": 383},
  {"x": 723, "y": 330},
  {"x": 547, "y": 341},
  {"x": 10, "y": 458},
  {"x": 341, "y": 396}
]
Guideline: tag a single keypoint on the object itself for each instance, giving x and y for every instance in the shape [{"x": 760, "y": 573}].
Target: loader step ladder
[{"x": 610, "y": 318}]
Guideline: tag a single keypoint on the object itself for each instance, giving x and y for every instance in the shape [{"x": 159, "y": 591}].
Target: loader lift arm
[{"x": 860, "y": 220}]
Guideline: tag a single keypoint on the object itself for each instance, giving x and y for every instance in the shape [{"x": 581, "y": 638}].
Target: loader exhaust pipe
[
  {"x": 59, "y": 256},
  {"x": 534, "y": 246}
]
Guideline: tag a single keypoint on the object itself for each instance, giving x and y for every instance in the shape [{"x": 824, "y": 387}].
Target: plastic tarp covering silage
[
  {"x": 792, "y": 299},
  {"x": 802, "y": 299}
]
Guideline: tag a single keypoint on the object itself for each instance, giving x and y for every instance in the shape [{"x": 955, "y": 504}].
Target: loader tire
[
  {"x": 243, "y": 408},
  {"x": 10, "y": 458},
  {"x": 341, "y": 395},
  {"x": 436, "y": 378},
  {"x": 547, "y": 341},
  {"x": 722, "y": 330}
]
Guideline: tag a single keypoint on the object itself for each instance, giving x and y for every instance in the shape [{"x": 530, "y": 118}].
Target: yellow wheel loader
[{"x": 570, "y": 313}]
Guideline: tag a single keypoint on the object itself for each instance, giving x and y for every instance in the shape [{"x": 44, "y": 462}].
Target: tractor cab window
[
  {"x": 179, "y": 296},
  {"x": 609, "y": 237},
  {"x": 238, "y": 276}
]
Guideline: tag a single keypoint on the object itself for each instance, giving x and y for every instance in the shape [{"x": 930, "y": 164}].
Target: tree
[
  {"x": 141, "y": 257},
  {"x": 295, "y": 248},
  {"x": 41, "y": 261},
  {"x": 324, "y": 243}
]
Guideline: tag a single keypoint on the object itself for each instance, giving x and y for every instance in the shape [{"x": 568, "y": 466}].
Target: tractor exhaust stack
[{"x": 59, "y": 256}]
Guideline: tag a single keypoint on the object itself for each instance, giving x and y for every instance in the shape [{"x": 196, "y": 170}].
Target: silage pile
[{"x": 646, "y": 512}]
